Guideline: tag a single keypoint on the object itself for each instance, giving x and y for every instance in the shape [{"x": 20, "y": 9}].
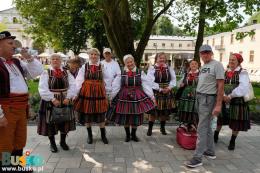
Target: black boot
[
  {"x": 216, "y": 133},
  {"x": 133, "y": 135},
  {"x": 53, "y": 146},
  {"x": 150, "y": 128},
  {"x": 63, "y": 144},
  {"x": 103, "y": 135},
  {"x": 232, "y": 142},
  {"x": 127, "y": 132},
  {"x": 90, "y": 137},
  {"x": 162, "y": 129}
]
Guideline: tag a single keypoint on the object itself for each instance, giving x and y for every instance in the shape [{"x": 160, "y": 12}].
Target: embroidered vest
[{"x": 4, "y": 77}]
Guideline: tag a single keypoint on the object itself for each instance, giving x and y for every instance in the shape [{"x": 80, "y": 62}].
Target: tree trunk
[
  {"x": 201, "y": 27},
  {"x": 118, "y": 26}
]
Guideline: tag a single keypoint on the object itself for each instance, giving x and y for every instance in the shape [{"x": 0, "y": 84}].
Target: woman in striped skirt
[
  {"x": 56, "y": 88},
  {"x": 235, "y": 111},
  {"x": 164, "y": 79},
  {"x": 186, "y": 103},
  {"x": 134, "y": 97},
  {"x": 91, "y": 102}
]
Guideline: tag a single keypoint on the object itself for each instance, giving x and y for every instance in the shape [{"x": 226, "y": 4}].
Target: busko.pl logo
[{"x": 26, "y": 160}]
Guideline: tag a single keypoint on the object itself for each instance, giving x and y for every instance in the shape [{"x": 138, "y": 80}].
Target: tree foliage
[
  {"x": 163, "y": 26},
  {"x": 66, "y": 24},
  {"x": 63, "y": 24},
  {"x": 119, "y": 18},
  {"x": 213, "y": 15}
]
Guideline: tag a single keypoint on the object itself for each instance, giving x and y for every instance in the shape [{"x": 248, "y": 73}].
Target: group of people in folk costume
[{"x": 101, "y": 91}]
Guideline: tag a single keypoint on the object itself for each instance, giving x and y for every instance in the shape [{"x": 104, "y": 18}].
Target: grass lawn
[
  {"x": 33, "y": 86},
  {"x": 257, "y": 92}
]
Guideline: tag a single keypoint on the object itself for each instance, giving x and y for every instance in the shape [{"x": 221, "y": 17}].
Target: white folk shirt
[
  {"x": 45, "y": 92},
  {"x": 17, "y": 83},
  {"x": 150, "y": 74},
  {"x": 110, "y": 70},
  {"x": 146, "y": 84},
  {"x": 243, "y": 87}
]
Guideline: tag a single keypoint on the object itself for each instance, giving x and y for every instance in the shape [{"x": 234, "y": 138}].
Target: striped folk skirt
[
  {"x": 236, "y": 116},
  {"x": 129, "y": 106},
  {"x": 91, "y": 103},
  {"x": 165, "y": 103},
  {"x": 186, "y": 107},
  {"x": 47, "y": 129}
]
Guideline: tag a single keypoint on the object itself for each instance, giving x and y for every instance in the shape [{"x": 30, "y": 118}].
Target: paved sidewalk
[{"x": 155, "y": 154}]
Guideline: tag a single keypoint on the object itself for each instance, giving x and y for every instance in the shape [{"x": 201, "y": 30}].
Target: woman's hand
[
  {"x": 154, "y": 101},
  {"x": 56, "y": 102},
  {"x": 66, "y": 101},
  {"x": 226, "y": 99}
]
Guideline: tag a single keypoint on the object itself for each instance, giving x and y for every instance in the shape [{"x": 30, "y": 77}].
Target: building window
[
  {"x": 146, "y": 57},
  {"x": 180, "y": 45},
  {"x": 163, "y": 44},
  {"x": 155, "y": 44},
  {"x": 188, "y": 45},
  {"x": 213, "y": 42},
  {"x": 232, "y": 39},
  {"x": 15, "y": 20},
  {"x": 251, "y": 56},
  {"x": 172, "y": 44},
  {"x": 220, "y": 57},
  {"x": 222, "y": 41},
  {"x": 207, "y": 41}
]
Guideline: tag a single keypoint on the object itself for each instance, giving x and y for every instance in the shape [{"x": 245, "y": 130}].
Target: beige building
[
  {"x": 176, "y": 48},
  {"x": 224, "y": 44},
  {"x": 13, "y": 22}
]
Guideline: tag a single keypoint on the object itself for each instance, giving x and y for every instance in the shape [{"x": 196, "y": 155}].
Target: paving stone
[
  {"x": 155, "y": 154},
  {"x": 69, "y": 163},
  {"x": 119, "y": 159},
  {"x": 58, "y": 170},
  {"x": 96, "y": 170}
]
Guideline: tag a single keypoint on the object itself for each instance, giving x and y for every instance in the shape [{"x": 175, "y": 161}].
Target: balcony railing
[{"x": 219, "y": 47}]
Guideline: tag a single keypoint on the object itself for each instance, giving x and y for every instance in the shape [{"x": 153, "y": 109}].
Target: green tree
[
  {"x": 38, "y": 45},
  {"x": 124, "y": 22},
  {"x": 122, "y": 19},
  {"x": 64, "y": 24},
  {"x": 164, "y": 26},
  {"x": 224, "y": 15}
]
